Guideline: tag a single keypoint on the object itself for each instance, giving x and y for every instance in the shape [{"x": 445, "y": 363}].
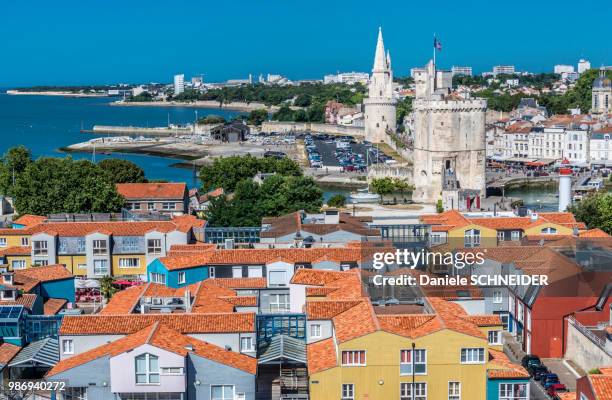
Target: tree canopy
[
  {"x": 226, "y": 172},
  {"x": 122, "y": 171},
  {"x": 595, "y": 211}
]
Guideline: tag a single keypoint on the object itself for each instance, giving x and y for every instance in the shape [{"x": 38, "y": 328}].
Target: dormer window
[
  {"x": 8, "y": 279},
  {"x": 100, "y": 247},
  {"x": 39, "y": 248},
  {"x": 7, "y": 294}
]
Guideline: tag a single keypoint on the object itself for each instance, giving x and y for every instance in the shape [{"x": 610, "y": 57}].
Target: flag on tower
[{"x": 437, "y": 45}]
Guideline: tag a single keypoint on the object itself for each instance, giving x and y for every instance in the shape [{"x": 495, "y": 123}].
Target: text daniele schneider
[{"x": 404, "y": 258}]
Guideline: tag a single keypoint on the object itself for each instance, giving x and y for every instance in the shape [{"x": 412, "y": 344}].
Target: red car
[{"x": 555, "y": 389}]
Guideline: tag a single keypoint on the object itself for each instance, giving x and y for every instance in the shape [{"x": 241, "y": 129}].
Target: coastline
[
  {"x": 54, "y": 93},
  {"x": 235, "y": 106}
]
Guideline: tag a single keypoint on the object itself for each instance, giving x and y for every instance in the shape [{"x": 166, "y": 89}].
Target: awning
[
  {"x": 284, "y": 348},
  {"x": 43, "y": 352}
]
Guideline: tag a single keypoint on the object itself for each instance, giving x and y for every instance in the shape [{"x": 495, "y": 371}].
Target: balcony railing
[{"x": 601, "y": 343}]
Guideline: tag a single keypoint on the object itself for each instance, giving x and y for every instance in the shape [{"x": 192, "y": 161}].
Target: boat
[{"x": 364, "y": 196}]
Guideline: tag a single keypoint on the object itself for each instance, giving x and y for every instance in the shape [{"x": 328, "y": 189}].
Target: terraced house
[
  {"x": 471, "y": 230},
  {"x": 441, "y": 353},
  {"x": 164, "y": 198},
  {"x": 93, "y": 248}
]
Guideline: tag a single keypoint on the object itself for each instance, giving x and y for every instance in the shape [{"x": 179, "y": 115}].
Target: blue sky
[{"x": 80, "y": 42}]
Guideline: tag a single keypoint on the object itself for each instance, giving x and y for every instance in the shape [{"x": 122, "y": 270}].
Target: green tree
[
  {"x": 439, "y": 206},
  {"x": 303, "y": 100},
  {"x": 595, "y": 211},
  {"x": 62, "y": 185},
  {"x": 211, "y": 119},
  {"x": 122, "y": 171},
  {"x": 257, "y": 117},
  {"x": 285, "y": 113},
  {"x": 382, "y": 186},
  {"x": 14, "y": 162},
  {"x": 338, "y": 200},
  {"x": 107, "y": 289}
]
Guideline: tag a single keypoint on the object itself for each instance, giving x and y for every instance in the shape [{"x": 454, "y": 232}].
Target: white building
[
  {"x": 349, "y": 78},
  {"x": 503, "y": 69},
  {"x": 577, "y": 146},
  {"x": 583, "y": 65},
  {"x": 600, "y": 147},
  {"x": 179, "y": 84},
  {"x": 563, "y": 68},
  {"x": 380, "y": 105},
  {"x": 601, "y": 102},
  {"x": 465, "y": 71},
  {"x": 547, "y": 143}
]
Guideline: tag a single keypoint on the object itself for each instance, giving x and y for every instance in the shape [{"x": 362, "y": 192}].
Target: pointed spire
[
  {"x": 379, "y": 57},
  {"x": 388, "y": 59}
]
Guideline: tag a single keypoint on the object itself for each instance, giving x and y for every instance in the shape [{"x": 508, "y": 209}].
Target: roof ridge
[{"x": 155, "y": 325}]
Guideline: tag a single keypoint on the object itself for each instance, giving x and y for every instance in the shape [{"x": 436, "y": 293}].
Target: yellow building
[
  {"x": 93, "y": 249},
  {"x": 354, "y": 353}
]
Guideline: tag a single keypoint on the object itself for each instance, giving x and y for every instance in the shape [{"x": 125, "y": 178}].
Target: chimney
[
  {"x": 7, "y": 278},
  {"x": 332, "y": 216}
]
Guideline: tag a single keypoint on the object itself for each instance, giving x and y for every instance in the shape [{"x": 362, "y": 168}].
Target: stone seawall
[{"x": 287, "y": 127}]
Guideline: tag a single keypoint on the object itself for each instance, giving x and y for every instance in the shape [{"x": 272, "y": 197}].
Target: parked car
[
  {"x": 555, "y": 389},
  {"x": 537, "y": 371},
  {"x": 549, "y": 379},
  {"x": 525, "y": 360}
]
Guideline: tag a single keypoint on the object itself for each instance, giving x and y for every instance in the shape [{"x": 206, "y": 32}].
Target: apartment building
[
  {"x": 355, "y": 353},
  {"x": 600, "y": 149},
  {"x": 95, "y": 249},
  {"x": 164, "y": 198}
]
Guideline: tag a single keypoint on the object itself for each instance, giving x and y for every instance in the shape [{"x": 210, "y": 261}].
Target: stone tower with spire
[{"x": 380, "y": 118}]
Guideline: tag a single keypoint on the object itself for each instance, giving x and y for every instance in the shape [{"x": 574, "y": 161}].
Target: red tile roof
[
  {"x": 29, "y": 220},
  {"x": 158, "y": 191},
  {"x": 7, "y": 352},
  {"x": 53, "y": 306},
  {"x": 602, "y": 383},
  {"x": 328, "y": 309},
  {"x": 45, "y": 273},
  {"x": 184, "y": 323},
  {"x": 124, "y": 301},
  {"x": 27, "y": 300},
  {"x": 321, "y": 355},
  {"x": 164, "y": 337},
  {"x": 117, "y": 228},
  {"x": 16, "y": 251},
  {"x": 503, "y": 368}
]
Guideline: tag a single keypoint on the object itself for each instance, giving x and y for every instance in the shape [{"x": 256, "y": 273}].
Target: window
[
  {"x": 154, "y": 246},
  {"x": 40, "y": 247},
  {"x": 472, "y": 356},
  {"x": 515, "y": 235},
  {"x": 18, "y": 264},
  {"x": 420, "y": 362},
  {"x": 25, "y": 241},
  {"x": 2, "y": 242},
  {"x": 181, "y": 277},
  {"x": 147, "y": 369},
  {"x": 158, "y": 278},
  {"x": 513, "y": 391},
  {"x": 528, "y": 320},
  {"x": 100, "y": 267},
  {"x": 135, "y": 206},
  {"x": 494, "y": 337},
  {"x": 279, "y": 302},
  {"x": 277, "y": 278},
  {"x": 246, "y": 344},
  {"x": 454, "y": 390},
  {"x": 129, "y": 262},
  {"x": 222, "y": 392},
  {"x": 168, "y": 206},
  {"x": 99, "y": 247},
  {"x": 172, "y": 371},
  {"x": 130, "y": 244},
  {"x": 420, "y": 391},
  {"x": 82, "y": 266},
  {"x": 7, "y": 294},
  {"x": 255, "y": 271},
  {"x": 315, "y": 330},
  {"x": 549, "y": 231},
  {"x": 67, "y": 346},
  {"x": 348, "y": 391},
  {"x": 354, "y": 358},
  {"x": 500, "y": 236},
  {"x": 40, "y": 263},
  {"x": 497, "y": 296},
  {"x": 81, "y": 245},
  {"x": 211, "y": 272},
  {"x": 472, "y": 238},
  {"x": 519, "y": 311},
  {"x": 151, "y": 206},
  {"x": 236, "y": 272},
  {"x": 505, "y": 321}
]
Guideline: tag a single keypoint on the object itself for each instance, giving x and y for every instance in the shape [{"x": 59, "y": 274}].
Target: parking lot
[{"x": 342, "y": 152}]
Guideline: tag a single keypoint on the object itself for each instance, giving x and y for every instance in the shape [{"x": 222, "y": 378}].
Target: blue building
[{"x": 506, "y": 380}]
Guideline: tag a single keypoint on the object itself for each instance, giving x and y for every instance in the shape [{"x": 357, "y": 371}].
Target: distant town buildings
[
  {"x": 464, "y": 71},
  {"x": 503, "y": 70},
  {"x": 583, "y": 65},
  {"x": 380, "y": 117},
  {"x": 349, "y": 78},
  {"x": 563, "y": 68},
  {"x": 179, "y": 84}
]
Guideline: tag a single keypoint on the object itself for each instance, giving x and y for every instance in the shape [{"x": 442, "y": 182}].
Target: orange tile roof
[
  {"x": 321, "y": 355},
  {"x": 602, "y": 384},
  {"x": 53, "y": 306},
  {"x": 484, "y": 320},
  {"x": 159, "y": 191},
  {"x": 503, "y": 368},
  {"x": 27, "y": 300},
  {"x": 452, "y": 219},
  {"x": 355, "y": 322},
  {"x": 190, "y": 249},
  {"x": 45, "y": 273},
  {"x": 16, "y": 251},
  {"x": 29, "y": 220},
  {"x": 124, "y": 301},
  {"x": 164, "y": 337},
  {"x": 184, "y": 323},
  {"x": 117, "y": 228},
  {"x": 7, "y": 352},
  {"x": 239, "y": 283},
  {"x": 567, "y": 396},
  {"x": 328, "y": 309},
  {"x": 594, "y": 233}
]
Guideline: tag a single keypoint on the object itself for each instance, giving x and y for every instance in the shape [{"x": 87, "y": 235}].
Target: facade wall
[
  {"x": 210, "y": 373},
  {"x": 61, "y": 289},
  {"x": 97, "y": 384},
  {"x": 583, "y": 351},
  {"x": 493, "y": 386}
]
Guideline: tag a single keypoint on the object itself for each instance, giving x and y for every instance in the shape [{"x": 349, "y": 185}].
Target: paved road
[
  {"x": 566, "y": 376},
  {"x": 536, "y": 391}
]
